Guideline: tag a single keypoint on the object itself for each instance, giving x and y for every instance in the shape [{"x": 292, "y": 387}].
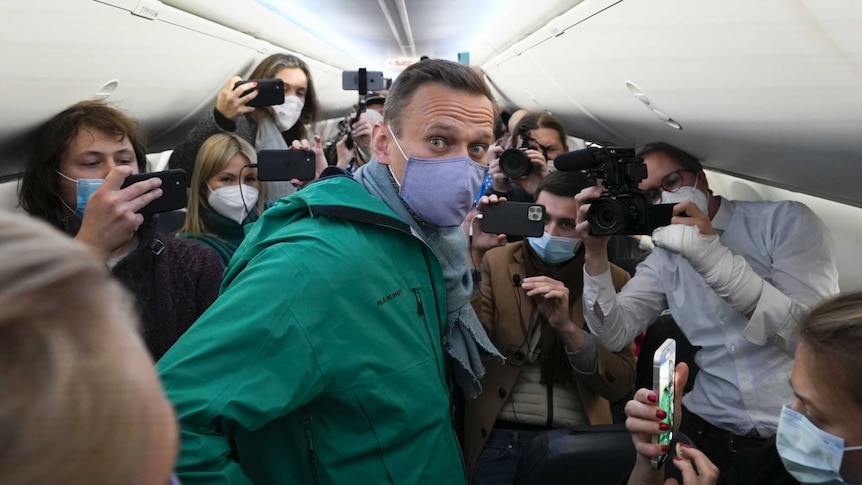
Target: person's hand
[
  {"x": 481, "y": 241},
  {"x": 361, "y": 130},
  {"x": 343, "y": 154},
  {"x": 582, "y": 226},
  {"x": 689, "y": 213},
  {"x": 230, "y": 101},
  {"x": 320, "y": 163},
  {"x": 111, "y": 218},
  {"x": 704, "y": 472},
  {"x": 538, "y": 170},
  {"x": 499, "y": 180},
  {"x": 644, "y": 416},
  {"x": 552, "y": 300}
]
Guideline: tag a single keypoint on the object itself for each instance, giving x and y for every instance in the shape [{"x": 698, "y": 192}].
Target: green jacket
[{"x": 321, "y": 359}]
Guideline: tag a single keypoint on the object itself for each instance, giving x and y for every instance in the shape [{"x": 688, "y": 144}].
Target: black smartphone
[
  {"x": 173, "y": 190},
  {"x": 514, "y": 219},
  {"x": 664, "y": 367},
  {"x": 373, "y": 81},
  {"x": 285, "y": 164},
  {"x": 270, "y": 92}
]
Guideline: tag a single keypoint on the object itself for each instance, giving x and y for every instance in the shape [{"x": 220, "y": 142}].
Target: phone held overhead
[
  {"x": 623, "y": 208},
  {"x": 173, "y": 190},
  {"x": 270, "y": 92}
]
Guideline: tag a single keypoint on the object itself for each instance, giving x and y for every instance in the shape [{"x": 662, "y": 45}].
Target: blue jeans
[{"x": 498, "y": 461}]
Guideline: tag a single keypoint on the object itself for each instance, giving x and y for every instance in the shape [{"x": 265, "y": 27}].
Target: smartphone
[
  {"x": 374, "y": 81},
  {"x": 514, "y": 219},
  {"x": 663, "y": 367},
  {"x": 270, "y": 92},
  {"x": 285, "y": 164},
  {"x": 173, "y": 190}
]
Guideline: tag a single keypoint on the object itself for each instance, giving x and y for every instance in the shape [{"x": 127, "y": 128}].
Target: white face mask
[
  {"x": 288, "y": 113},
  {"x": 228, "y": 201},
  {"x": 810, "y": 454},
  {"x": 685, "y": 193},
  {"x": 554, "y": 249}
]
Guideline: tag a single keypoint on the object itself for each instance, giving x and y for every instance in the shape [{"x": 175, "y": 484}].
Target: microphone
[
  {"x": 575, "y": 160},
  {"x": 516, "y": 280}
]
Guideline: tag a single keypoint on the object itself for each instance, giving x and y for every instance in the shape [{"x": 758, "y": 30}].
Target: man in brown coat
[{"x": 555, "y": 373}]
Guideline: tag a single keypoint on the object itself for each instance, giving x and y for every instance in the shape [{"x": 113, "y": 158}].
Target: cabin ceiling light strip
[
  {"x": 405, "y": 40},
  {"x": 643, "y": 98}
]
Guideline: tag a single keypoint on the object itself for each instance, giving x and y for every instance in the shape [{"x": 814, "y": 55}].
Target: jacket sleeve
[
  {"x": 246, "y": 362},
  {"x": 614, "y": 376}
]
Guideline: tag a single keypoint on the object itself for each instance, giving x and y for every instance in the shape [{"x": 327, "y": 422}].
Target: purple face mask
[{"x": 440, "y": 190}]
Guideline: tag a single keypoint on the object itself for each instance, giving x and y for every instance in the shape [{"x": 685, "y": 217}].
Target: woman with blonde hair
[
  {"x": 225, "y": 195},
  {"x": 81, "y": 403}
]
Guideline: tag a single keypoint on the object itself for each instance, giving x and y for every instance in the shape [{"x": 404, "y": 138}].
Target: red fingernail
[
  {"x": 665, "y": 448},
  {"x": 660, "y": 414},
  {"x": 663, "y": 426},
  {"x": 652, "y": 398},
  {"x": 678, "y": 458},
  {"x": 684, "y": 445}
]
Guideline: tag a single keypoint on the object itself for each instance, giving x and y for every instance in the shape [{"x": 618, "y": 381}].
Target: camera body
[
  {"x": 623, "y": 208},
  {"x": 514, "y": 161}
]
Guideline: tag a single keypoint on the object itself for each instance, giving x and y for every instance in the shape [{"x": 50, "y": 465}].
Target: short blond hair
[{"x": 70, "y": 411}]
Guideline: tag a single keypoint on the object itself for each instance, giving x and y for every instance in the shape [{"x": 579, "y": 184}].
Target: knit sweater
[{"x": 173, "y": 281}]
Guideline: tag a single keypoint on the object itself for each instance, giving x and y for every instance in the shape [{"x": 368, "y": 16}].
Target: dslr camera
[
  {"x": 623, "y": 208},
  {"x": 514, "y": 161}
]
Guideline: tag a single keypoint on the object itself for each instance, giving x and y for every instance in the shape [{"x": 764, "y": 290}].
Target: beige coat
[{"x": 497, "y": 308}]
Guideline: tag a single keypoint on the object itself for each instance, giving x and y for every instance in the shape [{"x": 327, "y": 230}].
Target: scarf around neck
[
  {"x": 465, "y": 340},
  {"x": 269, "y": 137}
]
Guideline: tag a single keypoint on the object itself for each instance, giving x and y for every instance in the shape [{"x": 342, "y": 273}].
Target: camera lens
[
  {"x": 514, "y": 163},
  {"x": 607, "y": 216}
]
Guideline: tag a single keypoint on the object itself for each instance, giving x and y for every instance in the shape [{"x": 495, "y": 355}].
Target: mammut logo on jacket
[{"x": 390, "y": 297}]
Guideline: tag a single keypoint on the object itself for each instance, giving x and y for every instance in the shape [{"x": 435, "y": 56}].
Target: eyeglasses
[{"x": 670, "y": 183}]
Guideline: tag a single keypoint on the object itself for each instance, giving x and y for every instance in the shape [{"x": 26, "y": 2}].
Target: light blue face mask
[
  {"x": 440, "y": 190},
  {"x": 553, "y": 249},
  {"x": 84, "y": 188},
  {"x": 810, "y": 454}
]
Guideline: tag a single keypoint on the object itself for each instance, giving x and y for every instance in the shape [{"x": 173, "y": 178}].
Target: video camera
[{"x": 623, "y": 208}]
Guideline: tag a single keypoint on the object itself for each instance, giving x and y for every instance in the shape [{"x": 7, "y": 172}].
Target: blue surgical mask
[
  {"x": 84, "y": 188},
  {"x": 810, "y": 454},
  {"x": 553, "y": 249},
  {"x": 440, "y": 190}
]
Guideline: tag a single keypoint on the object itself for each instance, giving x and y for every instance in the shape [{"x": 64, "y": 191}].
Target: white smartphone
[{"x": 664, "y": 362}]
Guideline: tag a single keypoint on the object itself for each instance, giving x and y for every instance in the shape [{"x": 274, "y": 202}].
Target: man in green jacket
[{"x": 325, "y": 358}]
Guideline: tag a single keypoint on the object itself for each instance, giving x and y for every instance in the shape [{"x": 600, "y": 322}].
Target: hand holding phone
[
  {"x": 514, "y": 219},
  {"x": 173, "y": 190},
  {"x": 664, "y": 367}
]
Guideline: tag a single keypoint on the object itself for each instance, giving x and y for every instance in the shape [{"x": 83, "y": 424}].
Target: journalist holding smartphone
[
  {"x": 74, "y": 180},
  {"x": 239, "y": 110}
]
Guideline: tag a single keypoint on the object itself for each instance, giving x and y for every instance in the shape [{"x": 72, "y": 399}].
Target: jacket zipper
[{"x": 309, "y": 438}]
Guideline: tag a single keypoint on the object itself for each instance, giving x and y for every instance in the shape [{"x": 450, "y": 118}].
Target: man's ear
[{"x": 380, "y": 140}]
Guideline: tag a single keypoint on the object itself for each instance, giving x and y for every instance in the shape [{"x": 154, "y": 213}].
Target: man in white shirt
[{"x": 736, "y": 277}]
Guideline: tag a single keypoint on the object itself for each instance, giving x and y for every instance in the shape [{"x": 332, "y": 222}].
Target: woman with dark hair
[{"x": 277, "y": 127}]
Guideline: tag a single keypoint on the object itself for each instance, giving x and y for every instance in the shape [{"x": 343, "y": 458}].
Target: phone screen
[{"x": 664, "y": 362}]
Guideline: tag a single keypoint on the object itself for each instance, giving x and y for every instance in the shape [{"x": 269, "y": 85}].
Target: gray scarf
[
  {"x": 270, "y": 138},
  {"x": 465, "y": 340}
]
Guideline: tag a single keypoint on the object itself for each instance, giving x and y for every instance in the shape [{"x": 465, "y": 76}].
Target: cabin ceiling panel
[{"x": 761, "y": 89}]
